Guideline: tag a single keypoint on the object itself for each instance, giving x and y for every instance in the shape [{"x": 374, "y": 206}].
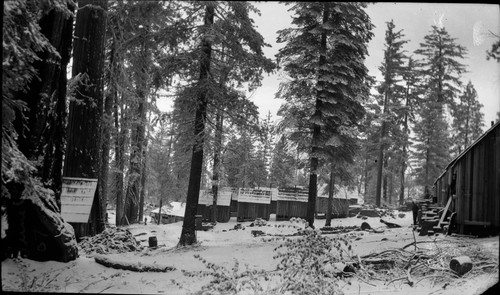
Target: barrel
[{"x": 153, "y": 242}]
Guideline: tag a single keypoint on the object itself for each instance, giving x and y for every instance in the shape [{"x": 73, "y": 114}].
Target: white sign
[
  {"x": 223, "y": 197},
  {"x": 206, "y": 198},
  {"x": 293, "y": 195},
  {"x": 77, "y": 195},
  {"x": 274, "y": 192},
  {"x": 258, "y": 196}
]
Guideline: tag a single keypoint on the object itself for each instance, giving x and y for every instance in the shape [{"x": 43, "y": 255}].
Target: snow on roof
[{"x": 174, "y": 209}]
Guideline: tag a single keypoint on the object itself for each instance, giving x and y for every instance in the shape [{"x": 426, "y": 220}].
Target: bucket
[{"x": 153, "y": 242}]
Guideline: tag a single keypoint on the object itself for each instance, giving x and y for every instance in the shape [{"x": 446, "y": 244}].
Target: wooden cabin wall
[
  {"x": 478, "y": 184},
  {"x": 223, "y": 213},
  {"x": 252, "y": 211},
  {"x": 288, "y": 209}
]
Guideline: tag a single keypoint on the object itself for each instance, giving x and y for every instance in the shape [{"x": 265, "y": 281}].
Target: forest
[{"x": 82, "y": 81}]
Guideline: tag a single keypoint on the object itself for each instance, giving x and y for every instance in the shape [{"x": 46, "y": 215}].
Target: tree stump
[
  {"x": 461, "y": 264},
  {"x": 365, "y": 226}
]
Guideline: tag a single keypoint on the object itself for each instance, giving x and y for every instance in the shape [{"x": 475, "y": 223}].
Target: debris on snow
[{"x": 111, "y": 240}]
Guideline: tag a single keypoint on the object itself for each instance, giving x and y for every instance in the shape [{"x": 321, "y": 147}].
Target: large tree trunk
[
  {"x": 313, "y": 176},
  {"x": 45, "y": 99},
  {"x": 132, "y": 198},
  {"x": 36, "y": 228},
  {"x": 188, "y": 234},
  {"x": 84, "y": 123}
]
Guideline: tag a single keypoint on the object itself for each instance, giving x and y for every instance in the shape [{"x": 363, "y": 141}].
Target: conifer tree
[
  {"x": 392, "y": 94},
  {"x": 467, "y": 119},
  {"x": 227, "y": 30},
  {"x": 323, "y": 57},
  {"x": 441, "y": 70},
  {"x": 82, "y": 157}
]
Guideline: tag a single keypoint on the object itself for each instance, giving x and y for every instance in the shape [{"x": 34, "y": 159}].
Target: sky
[{"x": 470, "y": 24}]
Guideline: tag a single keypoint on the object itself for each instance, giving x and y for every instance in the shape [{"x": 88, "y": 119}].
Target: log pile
[{"x": 111, "y": 240}]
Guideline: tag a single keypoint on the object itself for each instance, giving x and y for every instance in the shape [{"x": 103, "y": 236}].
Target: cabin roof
[{"x": 452, "y": 163}]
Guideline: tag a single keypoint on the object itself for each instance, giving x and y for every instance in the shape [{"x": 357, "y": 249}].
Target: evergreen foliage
[{"x": 323, "y": 57}]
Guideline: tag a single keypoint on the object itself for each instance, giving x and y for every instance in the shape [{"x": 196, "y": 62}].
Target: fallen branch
[
  {"x": 417, "y": 242},
  {"x": 108, "y": 262}
]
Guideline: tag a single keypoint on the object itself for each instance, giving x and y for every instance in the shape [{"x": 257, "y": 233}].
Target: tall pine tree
[
  {"x": 323, "y": 57},
  {"x": 441, "y": 70}
]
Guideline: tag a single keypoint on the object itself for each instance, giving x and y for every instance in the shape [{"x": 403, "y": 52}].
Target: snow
[{"x": 223, "y": 245}]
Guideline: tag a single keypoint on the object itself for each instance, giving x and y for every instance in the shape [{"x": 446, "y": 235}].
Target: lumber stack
[{"x": 111, "y": 240}]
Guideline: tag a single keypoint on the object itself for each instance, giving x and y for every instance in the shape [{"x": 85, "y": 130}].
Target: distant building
[{"x": 171, "y": 213}]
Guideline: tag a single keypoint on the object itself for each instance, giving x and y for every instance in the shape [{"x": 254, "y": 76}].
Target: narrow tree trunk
[
  {"x": 313, "y": 177},
  {"x": 330, "y": 198},
  {"x": 188, "y": 234},
  {"x": 385, "y": 179},
  {"x": 380, "y": 162},
  {"x": 159, "y": 212},
  {"x": 366, "y": 177},
  {"x": 106, "y": 141},
  {"x": 82, "y": 155},
  {"x": 143, "y": 174},
  {"x": 121, "y": 129},
  {"x": 404, "y": 156},
  {"x": 217, "y": 160}
]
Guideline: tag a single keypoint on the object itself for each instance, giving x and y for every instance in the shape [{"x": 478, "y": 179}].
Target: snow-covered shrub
[
  {"x": 229, "y": 281},
  {"x": 305, "y": 267},
  {"x": 305, "y": 263}
]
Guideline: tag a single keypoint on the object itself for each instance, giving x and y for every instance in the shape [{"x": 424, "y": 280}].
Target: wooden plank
[{"x": 441, "y": 220}]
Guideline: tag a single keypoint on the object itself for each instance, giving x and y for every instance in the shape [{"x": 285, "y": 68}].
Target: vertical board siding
[{"x": 478, "y": 181}]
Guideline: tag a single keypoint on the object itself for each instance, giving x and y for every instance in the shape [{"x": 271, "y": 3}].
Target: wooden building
[
  {"x": 340, "y": 207},
  {"x": 205, "y": 205},
  {"x": 253, "y": 204},
  {"x": 291, "y": 202},
  {"x": 174, "y": 212},
  {"x": 471, "y": 185}
]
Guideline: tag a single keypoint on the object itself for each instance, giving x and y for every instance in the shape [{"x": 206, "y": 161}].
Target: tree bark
[
  {"x": 46, "y": 100},
  {"x": 313, "y": 176},
  {"x": 83, "y": 155},
  {"x": 121, "y": 130},
  {"x": 132, "y": 198},
  {"x": 217, "y": 160},
  {"x": 380, "y": 163},
  {"x": 330, "y": 198},
  {"x": 188, "y": 234}
]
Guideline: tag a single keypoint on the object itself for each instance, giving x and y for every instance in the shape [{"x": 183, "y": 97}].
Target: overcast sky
[{"x": 470, "y": 24}]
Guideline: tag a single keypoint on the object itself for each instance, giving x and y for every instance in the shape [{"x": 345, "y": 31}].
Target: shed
[
  {"x": 169, "y": 213},
  {"x": 291, "y": 202},
  {"x": 340, "y": 202},
  {"x": 472, "y": 181},
  {"x": 340, "y": 207},
  {"x": 253, "y": 204},
  {"x": 205, "y": 205}
]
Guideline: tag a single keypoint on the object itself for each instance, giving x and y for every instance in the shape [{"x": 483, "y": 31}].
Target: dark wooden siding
[
  {"x": 252, "y": 211},
  {"x": 288, "y": 209},
  {"x": 340, "y": 207},
  {"x": 223, "y": 213},
  {"x": 477, "y": 173}
]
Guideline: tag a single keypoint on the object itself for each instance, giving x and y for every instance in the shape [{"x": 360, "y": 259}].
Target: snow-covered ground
[{"x": 223, "y": 245}]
